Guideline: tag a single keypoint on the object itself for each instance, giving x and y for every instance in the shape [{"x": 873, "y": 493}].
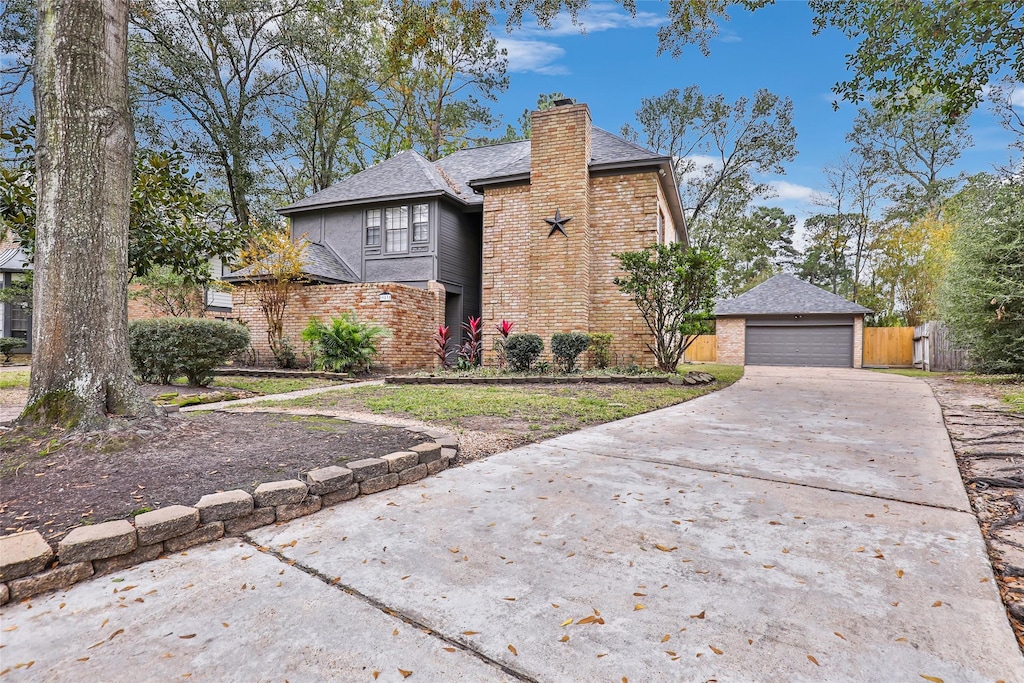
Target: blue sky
[{"x": 615, "y": 64}]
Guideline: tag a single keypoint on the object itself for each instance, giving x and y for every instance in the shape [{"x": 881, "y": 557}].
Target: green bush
[
  {"x": 601, "y": 349},
  {"x": 522, "y": 351},
  {"x": 566, "y": 348},
  {"x": 345, "y": 344},
  {"x": 8, "y": 345},
  {"x": 165, "y": 348}
]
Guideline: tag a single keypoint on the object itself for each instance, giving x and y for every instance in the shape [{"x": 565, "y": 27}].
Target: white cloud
[
  {"x": 533, "y": 55},
  {"x": 597, "y": 18},
  {"x": 729, "y": 37},
  {"x": 1017, "y": 96},
  {"x": 791, "y": 191}
]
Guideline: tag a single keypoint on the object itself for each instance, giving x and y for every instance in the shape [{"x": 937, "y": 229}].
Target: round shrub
[
  {"x": 601, "y": 349},
  {"x": 522, "y": 351},
  {"x": 165, "y": 348},
  {"x": 566, "y": 348},
  {"x": 9, "y": 345}
]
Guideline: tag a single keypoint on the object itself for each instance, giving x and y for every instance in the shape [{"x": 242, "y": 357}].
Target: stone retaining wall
[{"x": 28, "y": 565}]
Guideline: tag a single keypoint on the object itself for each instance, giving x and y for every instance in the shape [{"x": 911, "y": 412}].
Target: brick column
[
  {"x": 731, "y": 340},
  {"x": 858, "y": 341},
  {"x": 560, "y": 265}
]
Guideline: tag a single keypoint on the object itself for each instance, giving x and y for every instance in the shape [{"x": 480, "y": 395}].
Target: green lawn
[
  {"x": 16, "y": 379},
  {"x": 1016, "y": 401},
  {"x": 542, "y": 410},
  {"x": 270, "y": 385},
  {"x": 909, "y": 372}
]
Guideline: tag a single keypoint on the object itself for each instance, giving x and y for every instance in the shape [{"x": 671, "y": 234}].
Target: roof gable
[
  {"x": 406, "y": 174},
  {"x": 786, "y": 294}
]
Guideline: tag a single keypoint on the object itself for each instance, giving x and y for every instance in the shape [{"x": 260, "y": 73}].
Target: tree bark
[{"x": 84, "y": 143}]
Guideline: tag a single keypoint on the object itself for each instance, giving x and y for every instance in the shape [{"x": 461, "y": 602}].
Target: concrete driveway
[{"x": 802, "y": 525}]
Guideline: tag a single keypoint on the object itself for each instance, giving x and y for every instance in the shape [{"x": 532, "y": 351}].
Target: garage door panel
[{"x": 823, "y": 346}]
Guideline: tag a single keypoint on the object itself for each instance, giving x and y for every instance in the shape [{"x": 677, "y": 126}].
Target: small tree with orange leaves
[{"x": 274, "y": 265}]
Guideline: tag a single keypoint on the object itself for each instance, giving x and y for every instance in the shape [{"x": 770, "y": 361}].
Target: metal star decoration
[{"x": 557, "y": 223}]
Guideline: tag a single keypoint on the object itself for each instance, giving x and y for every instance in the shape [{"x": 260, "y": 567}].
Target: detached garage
[{"x": 786, "y": 321}]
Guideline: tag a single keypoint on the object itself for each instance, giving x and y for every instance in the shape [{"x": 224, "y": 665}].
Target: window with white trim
[
  {"x": 373, "y": 228},
  {"x": 420, "y": 223},
  {"x": 396, "y": 229}
]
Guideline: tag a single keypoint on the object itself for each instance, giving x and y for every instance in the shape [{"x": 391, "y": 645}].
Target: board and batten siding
[{"x": 459, "y": 257}]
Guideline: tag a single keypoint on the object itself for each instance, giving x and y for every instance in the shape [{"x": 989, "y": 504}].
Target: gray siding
[
  {"x": 404, "y": 269},
  {"x": 459, "y": 258}
]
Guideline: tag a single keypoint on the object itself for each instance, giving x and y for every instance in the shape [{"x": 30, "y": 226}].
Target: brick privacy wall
[
  {"x": 731, "y": 338},
  {"x": 554, "y": 284},
  {"x": 412, "y": 317},
  {"x": 560, "y": 265},
  {"x": 858, "y": 341},
  {"x": 139, "y": 309}
]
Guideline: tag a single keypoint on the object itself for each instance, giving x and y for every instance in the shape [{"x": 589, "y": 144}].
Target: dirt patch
[
  {"x": 988, "y": 440},
  {"x": 52, "y": 486}
]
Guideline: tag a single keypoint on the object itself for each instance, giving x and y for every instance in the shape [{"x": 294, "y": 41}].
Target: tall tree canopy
[{"x": 719, "y": 149}]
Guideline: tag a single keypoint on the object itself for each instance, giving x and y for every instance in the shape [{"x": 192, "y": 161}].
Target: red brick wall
[{"x": 411, "y": 316}]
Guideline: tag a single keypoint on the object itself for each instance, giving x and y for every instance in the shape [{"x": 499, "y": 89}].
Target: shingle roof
[
  {"x": 322, "y": 265},
  {"x": 785, "y": 294},
  {"x": 410, "y": 174},
  {"x": 406, "y": 174}
]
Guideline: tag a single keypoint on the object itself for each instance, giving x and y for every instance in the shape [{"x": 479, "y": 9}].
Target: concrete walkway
[
  {"x": 228, "y": 405},
  {"x": 801, "y": 525}
]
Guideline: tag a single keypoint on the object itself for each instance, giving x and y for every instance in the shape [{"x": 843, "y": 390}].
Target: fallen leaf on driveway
[
  {"x": 937, "y": 603},
  {"x": 405, "y": 674},
  {"x": 715, "y": 649},
  {"x": 933, "y": 679},
  {"x": 512, "y": 649},
  {"x": 839, "y": 634},
  {"x": 698, "y": 616},
  {"x": 470, "y": 633},
  {"x": 665, "y": 548},
  {"x": 566, "y": 622},
  {"x": 899, "y": 573},
  {"x": 637, "y": 607},
  {"x": 812, "y": 660}
]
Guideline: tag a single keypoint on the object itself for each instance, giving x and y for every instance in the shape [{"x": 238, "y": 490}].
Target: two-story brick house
[{"x": 523, "y": 231}]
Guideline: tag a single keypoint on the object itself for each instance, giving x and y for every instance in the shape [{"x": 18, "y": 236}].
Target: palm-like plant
[{"x": 346, "y": 344}]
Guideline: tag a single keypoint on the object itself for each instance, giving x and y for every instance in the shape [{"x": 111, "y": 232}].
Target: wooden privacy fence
[
  {"x": 703, "y": 349},
  {"x": 934, "y": 351},
  {"x": 889, "y": 346}
]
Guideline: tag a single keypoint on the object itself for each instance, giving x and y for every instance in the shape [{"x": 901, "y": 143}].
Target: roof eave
[
  {"x": 499, "y": 180},
  {"x": 292, "y": 209}
]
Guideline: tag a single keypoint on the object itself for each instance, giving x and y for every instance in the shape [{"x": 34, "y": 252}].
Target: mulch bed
[
  {"x": 988, "y": 440},
  {"x": 52, "y": 486}
]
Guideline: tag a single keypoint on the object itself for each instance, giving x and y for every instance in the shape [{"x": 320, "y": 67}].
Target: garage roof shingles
[{"x": 784, "y": 295}]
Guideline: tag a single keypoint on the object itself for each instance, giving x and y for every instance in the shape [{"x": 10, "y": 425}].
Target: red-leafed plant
[
  {"x": 441, "y": 339},
  {"x": 504, "y": 329},
  {"x": 472, "y": 349}
]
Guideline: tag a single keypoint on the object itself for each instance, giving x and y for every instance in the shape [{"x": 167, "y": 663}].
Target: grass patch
[
  {"x": 539, "y": 410},
  {"x": 908, "y": 372},
  {"x": 17, "y": 379},
  {"x": 270, "y": 385},
  {"x": 972, "y": 378},
  {"x": 1015, "y": 400}
]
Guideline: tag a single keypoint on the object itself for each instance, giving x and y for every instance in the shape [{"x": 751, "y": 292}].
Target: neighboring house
[
  {"x": 786, "y": 321},
  {"x": 15, "y": 318},
  {"x": 523, "y": 231}
]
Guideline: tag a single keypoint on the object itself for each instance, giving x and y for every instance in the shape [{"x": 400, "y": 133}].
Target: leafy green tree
[
  {"x": 439, "y": 68},
  {"x": 674, "y": 287},
  {"x": 172, "y": 223},
  {"x": 217, "y": 65},
  {"x": 759, "y": 246},
  {"x": 912, "y": 149},
  {"x": 911, "y": 261},
  {"x": 720, "y": 150},
  {"x": 17, "y": 44},
  {"x": 982, "y": 298},
  {"x": 826, "y": 260}
]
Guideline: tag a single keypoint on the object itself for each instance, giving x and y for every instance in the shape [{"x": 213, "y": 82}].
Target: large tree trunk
[{"x": 84, "y": 144}]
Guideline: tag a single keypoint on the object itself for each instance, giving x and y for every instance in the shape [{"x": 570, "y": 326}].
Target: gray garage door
[{"x": 825, "y": 345}]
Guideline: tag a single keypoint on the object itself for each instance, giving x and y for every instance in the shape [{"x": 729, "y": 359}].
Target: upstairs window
[
  {"x": 373, "y": 228},
  {"x": 396, "y": 229},
  {"x": 420, "y": 223}
]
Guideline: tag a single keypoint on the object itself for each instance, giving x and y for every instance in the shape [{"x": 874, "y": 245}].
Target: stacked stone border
[
  {"x": 690, "y": 379},
  {"x": 28, "y": 565}
]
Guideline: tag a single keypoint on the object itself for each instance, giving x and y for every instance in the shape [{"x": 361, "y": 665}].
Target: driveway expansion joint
[
  {"x": 390, "y": 611},
  {"x": 740, "y": 475}
]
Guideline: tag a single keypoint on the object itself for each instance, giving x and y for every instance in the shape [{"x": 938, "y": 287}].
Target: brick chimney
[{"x": 559, "y": 282}]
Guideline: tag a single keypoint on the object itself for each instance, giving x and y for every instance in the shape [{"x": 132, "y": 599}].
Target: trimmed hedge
[
  {"x": 566, "y": 348},
  {"x": 522, "y": 351},
  {"x": 165, "y": 348}
]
